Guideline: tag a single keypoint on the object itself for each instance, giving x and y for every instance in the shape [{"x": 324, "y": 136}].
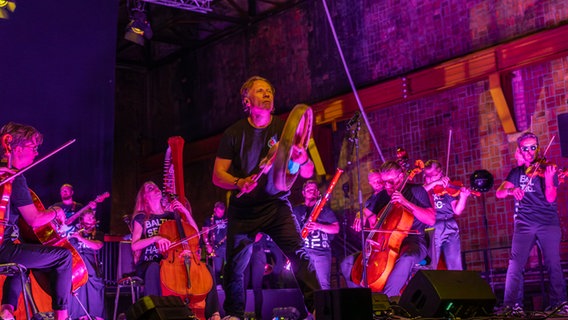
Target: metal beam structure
[{"x": 201, "y": 6}]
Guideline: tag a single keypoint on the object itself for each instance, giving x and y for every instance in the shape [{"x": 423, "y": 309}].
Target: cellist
[
  {"x": 416, "y": 200},
  {"x": 150, "y": 212},
  {"x": 20, "y": 145}
]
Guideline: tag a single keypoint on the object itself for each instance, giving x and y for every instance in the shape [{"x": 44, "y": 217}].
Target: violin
[
  {"x": 538, "y": 168},
  {"x": 453, "y": 188}
]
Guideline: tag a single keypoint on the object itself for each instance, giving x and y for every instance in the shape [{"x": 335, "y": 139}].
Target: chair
[
  {"x": 13, "y": 269},
  {"x": 125, "y": 274}
]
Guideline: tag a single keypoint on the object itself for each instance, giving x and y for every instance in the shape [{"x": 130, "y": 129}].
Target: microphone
[{"x": 353, "y": 119}]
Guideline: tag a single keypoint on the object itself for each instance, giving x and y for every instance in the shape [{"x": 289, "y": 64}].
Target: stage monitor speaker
[
  {"x": 346, "y": 303},
  {"x": 442, "y": 293},
  {"x": 563, "y": 133},
  {"x": 159, "y": 308}
]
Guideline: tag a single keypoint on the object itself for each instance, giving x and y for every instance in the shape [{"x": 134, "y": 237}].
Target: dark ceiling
[{"x": 176, "y": 29}]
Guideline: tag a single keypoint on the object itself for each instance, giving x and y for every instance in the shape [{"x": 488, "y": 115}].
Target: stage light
[
  {"x": 6, "y": 7},
  {"x": 138, "y": 29}
]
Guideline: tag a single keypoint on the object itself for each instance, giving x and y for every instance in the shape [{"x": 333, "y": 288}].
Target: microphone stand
[
  {"x": 346, "y": 210},
  {"x": 354, "y": 139}
]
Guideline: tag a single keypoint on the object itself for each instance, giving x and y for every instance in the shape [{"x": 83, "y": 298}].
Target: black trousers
[
  {"x": 276, "y": 221},
  {"x": 56, "y": 261}
]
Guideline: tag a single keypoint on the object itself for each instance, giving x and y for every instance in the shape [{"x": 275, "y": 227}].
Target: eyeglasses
[
  {"x": 392, "y": 182},
  {"x": 531, "y": 147}
]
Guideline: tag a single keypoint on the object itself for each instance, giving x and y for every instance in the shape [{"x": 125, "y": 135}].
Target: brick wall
[
  {"x": 478, "y": 142},
  {"x": 197, "y": 96}
]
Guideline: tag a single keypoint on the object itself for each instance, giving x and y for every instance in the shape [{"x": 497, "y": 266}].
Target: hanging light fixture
[
  {"x": 6, "y": 7},
  {"x": 138, "y": 29}
]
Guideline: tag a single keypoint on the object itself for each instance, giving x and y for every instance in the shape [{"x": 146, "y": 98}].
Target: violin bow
[
  {"x": 181, "y": 241},
  {"x": 448, "y": 152},
  {"x": 12, "y": 177}
]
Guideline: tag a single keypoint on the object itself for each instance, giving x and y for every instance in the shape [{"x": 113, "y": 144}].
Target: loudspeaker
[
  {"x": 345, "y": 303},
  {"x": 159, "y": 308},
  {"x": 441, "y": 293},
  {"x": 563, "y": 133}
]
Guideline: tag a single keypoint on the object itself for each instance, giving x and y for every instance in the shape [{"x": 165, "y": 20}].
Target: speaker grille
[{"x": 441, "y": 293}]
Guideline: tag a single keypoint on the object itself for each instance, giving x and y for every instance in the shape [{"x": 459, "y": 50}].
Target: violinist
[
  {"x": 446, "y": 229},
  {"x": 535, "y": 220},
  {"x": 150, "y": 212},
  {"x": 84, "y": 236},
  {"x": 415, "y": 199},
  {"x": 20, "y": 147}
]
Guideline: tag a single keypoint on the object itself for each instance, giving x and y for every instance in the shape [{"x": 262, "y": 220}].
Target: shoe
[
  {"x": 5, "y": 314},
  {"x": 515, "y": 311},
  {"x": 560, "y": 309}
]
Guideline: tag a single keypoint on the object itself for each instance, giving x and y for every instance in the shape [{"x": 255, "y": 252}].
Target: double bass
[
  {"x": 181, "y": 271},
  {"x": 384, "y": 241}
]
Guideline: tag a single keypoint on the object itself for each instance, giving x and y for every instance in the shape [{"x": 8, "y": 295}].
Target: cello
[
  {"x": 384, "y": 241},
  {"x": 181, "y": 271}
]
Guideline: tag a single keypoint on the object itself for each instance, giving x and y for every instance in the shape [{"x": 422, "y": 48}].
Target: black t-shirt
[
  {"x": 245, "y": 146},
  {"x": 317, "y": 240},
  {"x": 443, "y": 206},
  {"x": 19, "y": 197},
  {"x": 69, "y": 209},
  {"x": 88, "y": 255},
  {"x": 150, "y": 228},
  {"x": 217, "y": 236},
  {"x": 533, "y": 208}
]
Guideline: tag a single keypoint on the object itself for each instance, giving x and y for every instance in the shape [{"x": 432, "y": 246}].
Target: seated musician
[
  {"x": 20, "y": 147},
  {"x": 376, "y": 183},
  {"x": 150, "y": 212},
  {"x": 415, "y": 199},
  {"x": 85, "y": 237}
]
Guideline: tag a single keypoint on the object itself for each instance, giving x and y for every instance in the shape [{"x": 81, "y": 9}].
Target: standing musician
[
  {"x": 318, "y": 241},
  {"x": 369, "y": 211},
  {"x": 150, "y": 212},
  {"x": 535, "y": 219},
  {"x": 415, "y": 199},
  {"x": 84, "y": 236},
  {"x": 67, "y": 203},
  {"x": 446, "y": 229},
  {"x": 20, "y": 147},
  {"x": 262, "y": 207},
  {"x": 215, "y": 239}
]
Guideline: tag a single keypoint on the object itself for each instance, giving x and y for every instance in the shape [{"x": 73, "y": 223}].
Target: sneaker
[
  {"x": 5, "y": 314},
  {"x": 515, "y": 311},
  {"x": 560, "y": 309}
]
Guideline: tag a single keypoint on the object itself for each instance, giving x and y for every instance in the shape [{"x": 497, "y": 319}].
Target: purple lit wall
[{"x": 57, "y": 63}]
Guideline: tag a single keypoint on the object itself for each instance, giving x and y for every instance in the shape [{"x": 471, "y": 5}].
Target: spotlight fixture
[
  {"x": 138, "y": 29},
  {"x": 6, "y": 7}
]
